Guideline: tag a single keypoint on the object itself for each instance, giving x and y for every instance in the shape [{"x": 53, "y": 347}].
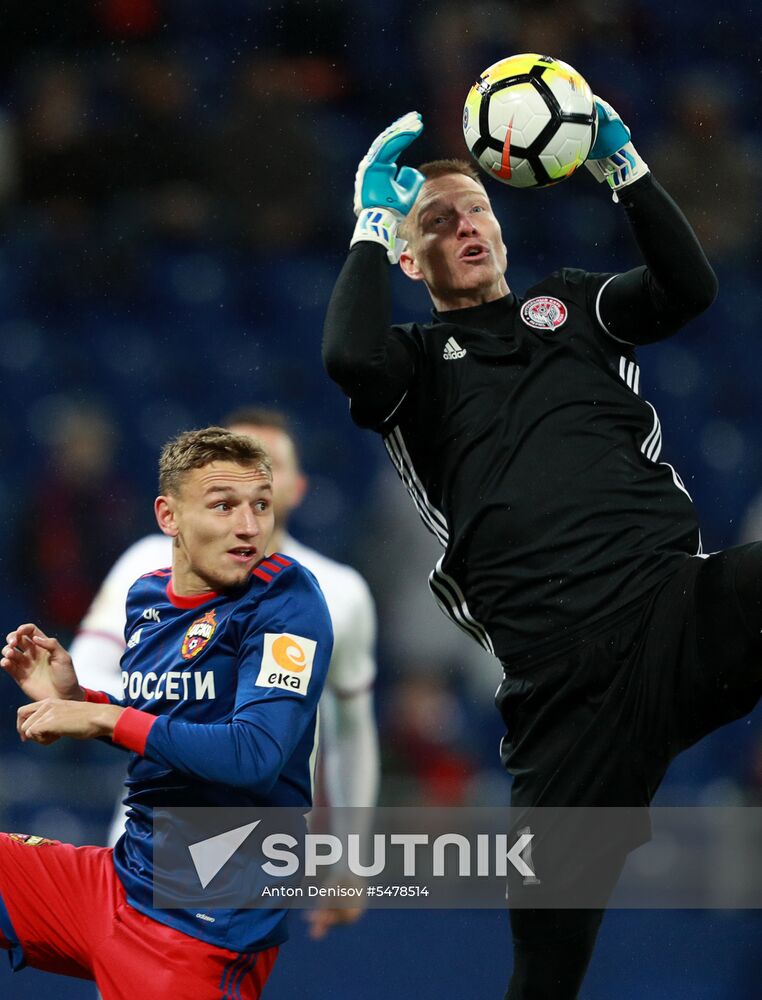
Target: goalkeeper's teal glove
[
  {"x": 383, "y": 194},
  {"x": 613, "y": 158}
]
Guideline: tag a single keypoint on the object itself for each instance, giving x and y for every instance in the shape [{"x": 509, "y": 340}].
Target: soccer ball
[{"x": 530, "y": 120}]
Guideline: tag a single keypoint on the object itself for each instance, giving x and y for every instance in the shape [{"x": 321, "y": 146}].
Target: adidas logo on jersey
[{"x": 453, "y": 350}]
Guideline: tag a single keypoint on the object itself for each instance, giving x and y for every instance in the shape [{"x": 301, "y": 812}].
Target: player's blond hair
[
  {"x": 195, "y": 449},
  {"x": 453, "y": 165},
  {"x": 431, "y": 171}
]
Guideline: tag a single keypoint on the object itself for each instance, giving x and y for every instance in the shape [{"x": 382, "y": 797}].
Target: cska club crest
[
  {"x": 199, "y": 635},
  {"x": 544, "y": 313},
  {"x": 30, "y": 840}
]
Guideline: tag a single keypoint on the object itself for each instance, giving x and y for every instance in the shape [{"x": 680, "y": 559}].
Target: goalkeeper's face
[
  {"x": 455, "y": 244},
  {"x": 221, "y": 519}
]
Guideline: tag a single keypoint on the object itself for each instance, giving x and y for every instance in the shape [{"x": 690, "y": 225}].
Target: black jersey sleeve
[
  {"x": 373, "y": 362},
  {"x": 677, "y": 282}
]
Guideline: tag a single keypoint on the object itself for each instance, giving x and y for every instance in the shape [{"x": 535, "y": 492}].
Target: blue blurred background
[{"x": 175, "y": 194}]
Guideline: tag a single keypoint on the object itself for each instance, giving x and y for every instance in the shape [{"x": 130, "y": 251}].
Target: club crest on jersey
[
  {"x": 544, "y": 313},
  {"x": 30, "y": 840},
  {"x": 199, "y": 635},
  {"x": 287, "y": 662}
]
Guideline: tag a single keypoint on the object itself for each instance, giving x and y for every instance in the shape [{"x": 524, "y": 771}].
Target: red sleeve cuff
[
  {"x": 132, "y": 729},
  {"x": 99, "y": 697}
]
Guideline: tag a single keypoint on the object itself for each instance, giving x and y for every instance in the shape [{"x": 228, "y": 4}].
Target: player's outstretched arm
[
  {"x": 371, "y": 367},
  {"x": 40, "y": 665},
  {"x": 677, "y": 283}
]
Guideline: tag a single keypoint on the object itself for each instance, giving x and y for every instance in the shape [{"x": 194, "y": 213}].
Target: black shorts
[{"x": 598, "y": 723}]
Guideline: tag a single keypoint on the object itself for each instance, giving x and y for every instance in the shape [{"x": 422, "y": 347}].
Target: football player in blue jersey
[
  {"x": 227, "y": 652},
  {"x": 346, "y": 766}
]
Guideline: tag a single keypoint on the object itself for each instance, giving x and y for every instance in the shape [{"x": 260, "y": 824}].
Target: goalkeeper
[{"x": 571, "y": 550}]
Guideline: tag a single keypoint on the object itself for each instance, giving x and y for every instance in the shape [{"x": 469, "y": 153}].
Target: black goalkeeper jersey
[
  {"x": 520, "y": 433},
  {"x": 539, "y": 467}
]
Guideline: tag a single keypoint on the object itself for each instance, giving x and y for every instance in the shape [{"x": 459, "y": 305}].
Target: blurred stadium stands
[{"x": 175, "y": 197}]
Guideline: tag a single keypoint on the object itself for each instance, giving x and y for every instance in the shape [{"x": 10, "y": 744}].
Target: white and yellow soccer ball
[{"x": 530, "y": 120}]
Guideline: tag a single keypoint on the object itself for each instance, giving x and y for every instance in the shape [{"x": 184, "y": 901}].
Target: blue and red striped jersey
[{"x": 221, "y": 692}]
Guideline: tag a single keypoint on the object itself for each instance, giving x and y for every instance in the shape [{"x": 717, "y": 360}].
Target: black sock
[{"x": 551, "y": 949}]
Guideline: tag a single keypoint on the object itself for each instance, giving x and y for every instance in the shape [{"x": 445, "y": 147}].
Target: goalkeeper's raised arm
[
  {"x": 358, "y": 352},
  {"x": 677, "y": 282}
]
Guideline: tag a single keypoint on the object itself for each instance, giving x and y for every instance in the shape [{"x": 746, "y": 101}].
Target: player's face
[
  {"x": 456, "y": 246},
  {"x": 221, "y": 520},
  {"x": 289, "y": 482}
]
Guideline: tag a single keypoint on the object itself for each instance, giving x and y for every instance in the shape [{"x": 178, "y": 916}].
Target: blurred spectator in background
[
  {"x": 275, "y": 198},
  {"x": 63, "y": 168},
  {"x": 76, "y": 518},
  {"x": 427, "y": 760},
  {"x": 159, "y": 145},
  {"x": 705, "y": 154},
  {"x": 270, "y": 158}
]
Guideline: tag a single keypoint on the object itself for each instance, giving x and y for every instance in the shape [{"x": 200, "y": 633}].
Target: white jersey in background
[{"x": 349, "y": 767}]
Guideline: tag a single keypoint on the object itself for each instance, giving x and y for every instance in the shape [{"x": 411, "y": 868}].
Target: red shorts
[{"x": 63, "y": 909}]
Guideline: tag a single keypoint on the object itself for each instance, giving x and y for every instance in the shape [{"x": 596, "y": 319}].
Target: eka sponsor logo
[{"x": 287, "y": 662}]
